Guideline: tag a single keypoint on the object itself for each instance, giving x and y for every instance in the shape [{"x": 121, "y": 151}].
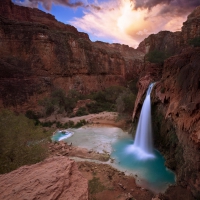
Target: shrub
[
  {"x": 47, "y": 124},
  {"x": 59, "y": 125},
  {"x": 195, "y": 42},
  {"x": 21, "y": 141},
  {"x": 70, "y": 123},
  {"x": 31, "y": 115},
  {"x": 125, "y": 102},
  {"x": 82, "y": 111},
  {"x": 97, "y": 107},
  {"x": 59, "y": 102},
  {"x": 105, "y": 100},
  {"x": 80, "y": 124},
  {"x": 95, "y": 186},
  {"x": 156, "y": 56}
]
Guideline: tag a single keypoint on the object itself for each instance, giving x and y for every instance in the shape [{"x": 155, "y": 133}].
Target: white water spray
[{"x": 143, "y": 144}]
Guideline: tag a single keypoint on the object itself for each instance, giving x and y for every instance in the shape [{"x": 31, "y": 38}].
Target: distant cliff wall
[{"x": 37, "y": 54}]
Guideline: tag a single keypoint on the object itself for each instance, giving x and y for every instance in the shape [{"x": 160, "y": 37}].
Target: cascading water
[
  {"x": 143, "y": 144},
  {"x": 133, "y": 157}
]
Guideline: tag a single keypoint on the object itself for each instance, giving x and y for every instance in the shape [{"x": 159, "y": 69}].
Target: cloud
[
  {"x": 125, "y": 21},
  {"x": 169, "y": 6},
  {"x": 121, "y": 22},
  {"x": 48, "y": 3}
]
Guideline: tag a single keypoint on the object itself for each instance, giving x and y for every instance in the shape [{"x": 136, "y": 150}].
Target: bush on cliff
[
  {"x": 21, "y": 141},
  {"x": 156, "y": 56},
  {"x": 125, "y": 102},
  {"x": 195, "y": 42}
]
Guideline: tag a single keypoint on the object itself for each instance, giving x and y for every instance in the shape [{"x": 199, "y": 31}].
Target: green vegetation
[
  {"x": 195, "y": 42},
  {"x": 82, "y": 111},
  {"x": 108, "y": 100},
  {"x": 162, "y": 90},
  {"x": 59, "y": 102},
  {"x": 66, "y": 125},
  {"x": 125, "y": 102},
  {"x": 114, "y": 98},
  {"x": 95, "y": 186},
  {"x": 21, "y": 141},
  {"x": 156, "y": 56}
]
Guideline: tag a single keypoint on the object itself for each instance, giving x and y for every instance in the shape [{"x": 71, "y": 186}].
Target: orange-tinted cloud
[
  {"x": 126, "y": 21},
  {"x": 122, "y": 23}
]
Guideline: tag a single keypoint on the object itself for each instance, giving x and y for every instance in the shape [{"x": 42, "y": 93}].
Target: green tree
[
  {"x": 156, "y": 56},
  {"x": 125, "y": 102},
  {"x": 21, "y": 141},
  {"x": 59, "y": 102},
  {"x": 195, "y": 42}
]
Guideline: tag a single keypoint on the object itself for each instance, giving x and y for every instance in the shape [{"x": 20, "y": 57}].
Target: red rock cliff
[
  {"x": 37, "y": 54},
  {"x": 176, "y": 101}
]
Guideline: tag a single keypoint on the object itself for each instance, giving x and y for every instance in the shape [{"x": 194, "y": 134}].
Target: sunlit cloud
[
  {"x": 121, "y": 23},
  {"x": 124, "y": 21}
]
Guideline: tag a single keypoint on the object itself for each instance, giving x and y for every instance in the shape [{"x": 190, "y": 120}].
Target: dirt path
[{"x": 102, "y": 119}]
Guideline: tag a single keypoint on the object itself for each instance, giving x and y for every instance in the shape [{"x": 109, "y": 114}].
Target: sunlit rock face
[
  {"x": 54, "y": 178},
  {"x": 191, "y": 28},
  {"x": 165, "y": 41},
  {"x": 38, "y": 54},
  {"x": 172, "y": 42}
]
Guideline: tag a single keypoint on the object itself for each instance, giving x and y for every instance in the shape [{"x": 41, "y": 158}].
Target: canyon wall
[
  {"x": 176, "y": 117},
  {"x": 39, "y": 54},
  {"x": 176, "y": 100}
]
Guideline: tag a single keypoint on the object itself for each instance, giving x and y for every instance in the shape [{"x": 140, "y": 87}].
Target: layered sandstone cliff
[
  {"x": 176, "y": 117},
  {"x": 173, "y": 42},
  {"x": 176, "y": 101},
  {"x": 54, "y": 178},
  {"x": 37, "y": 54}
]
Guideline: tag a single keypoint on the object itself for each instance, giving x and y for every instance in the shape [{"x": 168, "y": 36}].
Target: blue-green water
[
  {"x": 151, "y": 173},
  {"x": 58, "y": 136}
]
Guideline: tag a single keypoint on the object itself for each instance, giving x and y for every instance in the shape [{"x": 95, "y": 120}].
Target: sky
[{"x": 118, "y": 21}]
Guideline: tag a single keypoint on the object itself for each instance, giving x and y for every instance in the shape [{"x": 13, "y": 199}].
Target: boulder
[{"x": 54, "y": 178}]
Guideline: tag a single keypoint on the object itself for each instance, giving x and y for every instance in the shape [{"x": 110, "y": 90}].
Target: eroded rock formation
[
  {"x": 55, "y": 178},
  {"x": 176, "y": 101},
  {"x": 37, "y": 54},
  {"x": 173, "y": 42},
  {"x": 177, "y": 97}
]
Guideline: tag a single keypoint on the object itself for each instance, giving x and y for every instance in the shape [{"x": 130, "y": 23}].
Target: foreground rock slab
[{"x": 54, "y": 178}]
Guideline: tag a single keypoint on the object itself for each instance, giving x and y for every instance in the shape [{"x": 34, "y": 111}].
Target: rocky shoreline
[{"x": 116, "y": 184}]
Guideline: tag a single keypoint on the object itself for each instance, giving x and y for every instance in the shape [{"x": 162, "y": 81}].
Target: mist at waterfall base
[
  {"x": 151, "y": 172},
  {"x": 140, "y": 156}
]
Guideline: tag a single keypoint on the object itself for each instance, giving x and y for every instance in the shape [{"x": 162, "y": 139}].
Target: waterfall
[{"x": 143, "y": 144}]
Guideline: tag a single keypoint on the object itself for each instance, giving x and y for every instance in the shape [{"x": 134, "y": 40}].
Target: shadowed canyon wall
[
  {"x": 176, "y": 100},
  {"x": 37, "y": 54}
]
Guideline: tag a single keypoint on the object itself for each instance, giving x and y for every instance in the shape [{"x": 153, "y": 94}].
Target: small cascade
[{"x": 143, "y": 144}]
